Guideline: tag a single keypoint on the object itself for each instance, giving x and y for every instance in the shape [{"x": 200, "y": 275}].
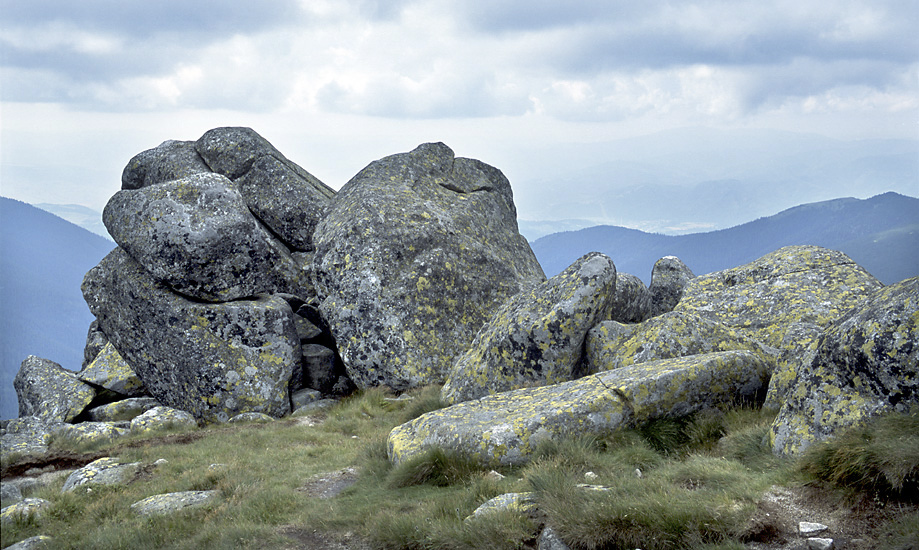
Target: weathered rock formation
[
  {"x": 866, "y": 363},
  {"x": 416, "y": 253},
  {"x": 537, "y": 337},
  {"x": 244, "y": 288}
]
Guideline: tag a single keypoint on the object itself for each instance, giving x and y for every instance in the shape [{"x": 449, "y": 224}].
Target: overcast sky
[{"x": 335, "y": 84}]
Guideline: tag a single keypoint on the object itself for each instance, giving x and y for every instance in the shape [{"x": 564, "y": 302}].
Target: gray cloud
[
  {"x": 592, "y": 59},
  {"x": 182, "y": 19}
]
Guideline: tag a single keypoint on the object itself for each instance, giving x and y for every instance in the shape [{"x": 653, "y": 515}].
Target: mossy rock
[
  {"x": 795, "y": 284},
  {"x": 612, "y": 345}
]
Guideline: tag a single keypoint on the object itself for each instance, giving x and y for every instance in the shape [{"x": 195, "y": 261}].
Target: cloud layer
[{"x": 435, "y": 59}]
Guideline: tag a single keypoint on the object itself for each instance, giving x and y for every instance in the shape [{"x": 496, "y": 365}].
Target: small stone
[
  {"x": 807, "y": 529},
  {"x": 251, "y": 417},
  {"x": 494, "y": 476},
  {"x": 549, "y": 540},
  {"x": 104, "y": 471},
  {"x": 31, "y": 543},
  {"x": 590, "y": 476},
  {"x": 815, "y": 543},
  {"x": 172, "y": 502},
  {"x": 525, "y": 503}
]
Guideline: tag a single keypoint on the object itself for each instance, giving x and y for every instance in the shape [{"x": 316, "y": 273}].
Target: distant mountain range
[
  {"x": 689, "y": 180},
  {"x": 43, "y": 259},
  {"x": 880, "y": 233}
]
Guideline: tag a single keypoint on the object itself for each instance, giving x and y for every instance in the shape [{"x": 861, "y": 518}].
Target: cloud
[{"x": 425, "y": 59}]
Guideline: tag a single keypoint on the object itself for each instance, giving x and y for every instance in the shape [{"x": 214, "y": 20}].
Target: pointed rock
[
  {"x": 50, "y": 392},
  {"x": 536, "y": 337}
]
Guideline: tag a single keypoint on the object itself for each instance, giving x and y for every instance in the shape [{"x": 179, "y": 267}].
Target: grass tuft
[
  {"x": 880, "y": 457},
  {"x": 438, "y": 467}
]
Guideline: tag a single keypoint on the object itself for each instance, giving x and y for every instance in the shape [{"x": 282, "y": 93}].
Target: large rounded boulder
[
  {"x": 415, "y": 254},
  {"x": 211, "y": 360},
  {"x": 197, "y": 235}
]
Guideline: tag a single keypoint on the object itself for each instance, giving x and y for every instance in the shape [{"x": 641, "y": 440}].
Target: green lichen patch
[{"x": 536, "y": 337}]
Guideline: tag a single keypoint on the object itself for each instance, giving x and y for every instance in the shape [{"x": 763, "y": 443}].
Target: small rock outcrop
[
  {"x": 26, "y": 436},
  {"x": 123, "y": 410},
  {"x": 536, "y": 337},
  {"x": 159, "y": 418},
  {"x": 504, "y": 428},
  {"x": 24, "y": 509},
  {"x": 669, "y": 277},
  {"x": 611, "y": 345},
  {"x": 103, "y": 471},
  {"x": 49, "y": 391},
  {"x": 414, "y": 256},
  {"x": 169, "y": 503},
  {"x": 866, "y": 363}
]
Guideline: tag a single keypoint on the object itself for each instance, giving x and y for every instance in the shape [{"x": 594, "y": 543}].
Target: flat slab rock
[
  {"x": 505, "y": 428},
  {"x": 170, "y": 503}
]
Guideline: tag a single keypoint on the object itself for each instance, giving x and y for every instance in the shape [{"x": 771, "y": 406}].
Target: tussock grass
[
  {"x": 880, "y": 458},
  {"x": 700, "y": 477}
]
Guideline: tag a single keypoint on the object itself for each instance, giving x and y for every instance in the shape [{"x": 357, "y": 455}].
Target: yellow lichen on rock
[
  {"x": 865, "y": 364},
  {"x": 504, "y": 428}
]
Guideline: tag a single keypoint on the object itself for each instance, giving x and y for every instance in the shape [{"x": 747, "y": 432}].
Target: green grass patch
[
  {"x": 684, "y": 483},
  {"x": 880, "y": 458}
]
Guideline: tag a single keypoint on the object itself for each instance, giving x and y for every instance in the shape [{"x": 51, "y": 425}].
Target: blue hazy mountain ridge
[
  {"x": 881, "y": 234},
  {"x": 85, "y": 217},
  {"x": 702, "y": 179},
  {"x": 43, "y": 259}
]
